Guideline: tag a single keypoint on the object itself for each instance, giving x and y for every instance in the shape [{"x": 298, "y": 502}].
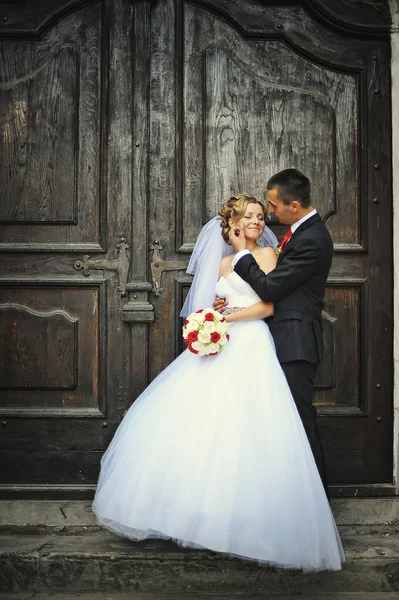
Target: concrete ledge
[
  {"x": 78, "y": 513},
  {"x": 48, "y": 513},
  {"x": 139, "y": 596},
  {"x": 101, "y": 562}
]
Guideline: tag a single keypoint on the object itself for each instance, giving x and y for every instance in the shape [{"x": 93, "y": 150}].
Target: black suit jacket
[{"x": 296, "y": 287}]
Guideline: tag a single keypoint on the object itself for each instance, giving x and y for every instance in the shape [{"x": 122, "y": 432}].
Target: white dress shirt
[{"x": 294, "y": 227}]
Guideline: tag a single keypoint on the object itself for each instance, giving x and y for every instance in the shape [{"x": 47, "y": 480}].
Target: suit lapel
[
  {"x": 308, "y": 223},
  {"x": 280, "y": 257}
]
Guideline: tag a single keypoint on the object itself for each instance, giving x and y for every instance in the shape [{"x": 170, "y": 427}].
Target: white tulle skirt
[{"x": 213, "y": 455}]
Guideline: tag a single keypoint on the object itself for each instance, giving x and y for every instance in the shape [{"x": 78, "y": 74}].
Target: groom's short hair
[{"x": 291, "y": 185}]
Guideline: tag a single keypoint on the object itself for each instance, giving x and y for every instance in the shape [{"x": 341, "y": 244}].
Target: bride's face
[{"x": 253, "y": 221}]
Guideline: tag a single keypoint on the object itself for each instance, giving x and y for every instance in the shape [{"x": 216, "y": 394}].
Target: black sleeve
[{"x": 300, "y": 263}]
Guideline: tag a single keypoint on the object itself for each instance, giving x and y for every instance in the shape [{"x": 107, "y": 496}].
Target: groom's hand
[
  {"x": 219, "y": 304},
  {"x": 237, "y": 238}
]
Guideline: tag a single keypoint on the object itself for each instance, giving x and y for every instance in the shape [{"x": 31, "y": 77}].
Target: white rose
[
  {"x": 191, "y": 326},
  {"x": 196, "y": 346},
  {"x": 223, "y": 340},
  {"x": 204, "y": 336},
  {"x": 212, "y": 348},
  {"x": 198, "y": 317},
  {"x": 221, "y": 328},
  {"x": 208, "y": 326}
]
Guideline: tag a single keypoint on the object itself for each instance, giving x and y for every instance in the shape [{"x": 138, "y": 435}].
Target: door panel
[
  {"x": 53, "y": 352},
  {"x": 265, "y": 106},
  {"x": 50, "y": 113}
]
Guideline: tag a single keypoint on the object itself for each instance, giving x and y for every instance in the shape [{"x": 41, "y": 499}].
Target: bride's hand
[{"x": 219, "y": 304}]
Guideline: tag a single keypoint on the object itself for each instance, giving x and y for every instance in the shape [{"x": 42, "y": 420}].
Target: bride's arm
[
  {"x": 267, "y": 261},
  {"x": 257, "y": 311}
]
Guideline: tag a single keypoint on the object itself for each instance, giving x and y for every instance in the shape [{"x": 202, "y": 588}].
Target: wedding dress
[{"x": 213, "y": 454}]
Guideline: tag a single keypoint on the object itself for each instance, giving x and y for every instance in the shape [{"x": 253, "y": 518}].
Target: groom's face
[{"x": 284, "y": 212}]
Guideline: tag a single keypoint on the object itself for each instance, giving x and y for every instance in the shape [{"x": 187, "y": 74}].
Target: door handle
[
  {"x": 120, "y": 263},
  {"x": 158, "y": 266}
]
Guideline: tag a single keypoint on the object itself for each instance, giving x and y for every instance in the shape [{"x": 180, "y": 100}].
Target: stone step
[
  {"x": 78, "y": 513},
  {"x": 139, "y": 596},
  {"x": 100, "y": 562}
]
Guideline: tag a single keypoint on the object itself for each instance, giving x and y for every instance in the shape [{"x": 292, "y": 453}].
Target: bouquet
[{"x": 205, "y": 332}]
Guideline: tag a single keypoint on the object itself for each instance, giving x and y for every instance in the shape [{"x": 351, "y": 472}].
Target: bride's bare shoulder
[
  {"x": 225, "y": 265},
  {"x": 266, "y": 259}
]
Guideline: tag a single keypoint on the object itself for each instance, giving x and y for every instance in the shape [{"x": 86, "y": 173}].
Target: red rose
[
  {"x": 192, "y": 349},
  {"x": 228, "y": 336},
  {"x": 200, "y": 310},
  {"x": 186, "y": 342},
  {"x": 222, "y": 320},
  {"x": 186, "y": 322},
  {"x": 215, "y": 337},
  {"x": 192, "y": 336},
  {"x": 213, "y": 354},
  {"x": 209, "y": 317}
]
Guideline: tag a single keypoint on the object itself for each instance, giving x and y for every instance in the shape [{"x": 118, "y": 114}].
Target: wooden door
[
  {"x": 133, "y": 120},
  {"x": 241, "y": 91}
]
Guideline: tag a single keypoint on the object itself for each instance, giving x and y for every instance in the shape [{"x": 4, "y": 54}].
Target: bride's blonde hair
[{"x": 235, "y": 208}]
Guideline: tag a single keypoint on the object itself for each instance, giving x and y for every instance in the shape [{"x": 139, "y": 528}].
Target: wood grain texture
[
  {"x": 361, "y": 16},
  {"x": 39, "y": 348},
  {"x": 50, "y": 99},
  {"x": 165, "y": 172},
  {"x": 49, "y": 362},
  {"x": 252, "y": 126},
  {"x": 338, "y": 378},
  {"x": 40, "y": 112},
  {"x": 27, "y": 18},
  {"x": 36, "y": 467},
  {"x": 118, "y": 182},
  {"x": 309, "y": 21},
  {"x": 258, "y": 118},
  {"x": 51, "y": 434}
]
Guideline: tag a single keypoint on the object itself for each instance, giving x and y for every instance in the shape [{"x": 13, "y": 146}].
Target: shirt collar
[{"x": 295, "y": 226}]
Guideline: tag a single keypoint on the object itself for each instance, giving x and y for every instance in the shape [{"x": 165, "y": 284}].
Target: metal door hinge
[
  {"x": 120, "y": 263},
  {"x": 158, "y": 266}
]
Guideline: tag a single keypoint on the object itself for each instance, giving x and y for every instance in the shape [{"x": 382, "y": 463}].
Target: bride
[{"x": 213, "y": 454}]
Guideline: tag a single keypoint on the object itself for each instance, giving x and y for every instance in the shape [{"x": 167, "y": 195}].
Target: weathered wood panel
[
  {"x": 265, "y": 107},
  {"x": 51, "y": 434},
  {"x": 50, "y": 340},
  {"x": 254, "y": 127},
  {"x": 373, "y": 16},
  {"x": 50, "y": 99},
  {"x": 39, "y": 122},
  {"x": 39, "y": 348},
  {"x": 165, "y": 175},
  {"x": 36, "y": 467},
  {"x": 338, "y": 379}
]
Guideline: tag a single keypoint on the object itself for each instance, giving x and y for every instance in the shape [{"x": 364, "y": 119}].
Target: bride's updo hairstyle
[{"x": 235, "y": 208}]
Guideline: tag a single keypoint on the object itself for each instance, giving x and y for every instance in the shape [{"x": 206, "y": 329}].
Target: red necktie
[{"x": 287, "y": 237}]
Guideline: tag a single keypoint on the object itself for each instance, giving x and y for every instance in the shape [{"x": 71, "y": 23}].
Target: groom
[{"x": 296, "y": 287}]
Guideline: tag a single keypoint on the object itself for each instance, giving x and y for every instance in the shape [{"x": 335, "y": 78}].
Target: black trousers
[{"x": 300, "y": 375}]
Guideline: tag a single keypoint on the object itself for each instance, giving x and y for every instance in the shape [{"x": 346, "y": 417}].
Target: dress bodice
[{"x": 236, "y": 291}]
